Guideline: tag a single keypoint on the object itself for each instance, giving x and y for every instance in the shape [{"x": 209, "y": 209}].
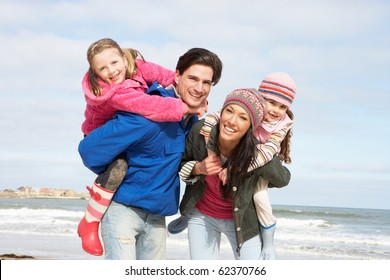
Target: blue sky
[{"x": 338, "y": 52}]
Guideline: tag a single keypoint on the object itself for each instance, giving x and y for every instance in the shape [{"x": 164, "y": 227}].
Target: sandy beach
[
  {"x": 57, "y": 247},
  {"x": 49, "y": 247},
  {"x": 69, "y": 248}
]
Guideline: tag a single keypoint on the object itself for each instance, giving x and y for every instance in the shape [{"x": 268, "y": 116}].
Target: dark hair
[
  {"x": 238, "y": 163},
  {"x": 284, "y": 153},
  {"x": 203, "y": 57}
]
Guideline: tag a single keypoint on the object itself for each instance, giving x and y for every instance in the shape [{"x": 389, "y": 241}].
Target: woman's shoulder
[
  {"x": 194, "y": 132},
  {"x": 198, "y": 125}
]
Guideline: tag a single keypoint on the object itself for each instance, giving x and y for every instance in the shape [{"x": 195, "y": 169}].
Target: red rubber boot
[{"x": 88, "y": 228}]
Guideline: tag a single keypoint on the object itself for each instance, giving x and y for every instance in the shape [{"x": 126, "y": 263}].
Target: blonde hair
[
  {"x": 106, "y": 43},
  {"x": 284, "y": 153}
]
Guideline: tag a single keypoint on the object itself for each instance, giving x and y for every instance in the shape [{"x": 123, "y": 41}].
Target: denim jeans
[
  {"x": 204, "y": 235},
  {"x": 129, "y": 233}
]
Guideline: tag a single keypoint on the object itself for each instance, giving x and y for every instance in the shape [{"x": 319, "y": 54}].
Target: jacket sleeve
[
  {"x": 103, "y": 144},
  {"x": 265, "y": 152},
  {"x": 210, "y": 121},
  {"x": 194, "y": 152},
  {"x": 152, "y": 107},
  {"x": 274, "y": 172},
  {"x": 152, "y": 72}
]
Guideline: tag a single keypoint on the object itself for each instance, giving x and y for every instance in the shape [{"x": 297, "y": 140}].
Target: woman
[{"x": 213, "y": 208}]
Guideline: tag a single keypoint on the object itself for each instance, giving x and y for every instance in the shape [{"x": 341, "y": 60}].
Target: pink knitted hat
[{"x": 280, "y": 87}]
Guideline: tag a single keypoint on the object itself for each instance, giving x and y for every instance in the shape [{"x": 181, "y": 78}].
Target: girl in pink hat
[{"x": 274, "y": 134}]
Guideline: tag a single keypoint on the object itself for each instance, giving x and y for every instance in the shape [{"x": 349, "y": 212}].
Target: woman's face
[
  {"x": 110, "y": 66},
  {"x": 234, "y": 123}
]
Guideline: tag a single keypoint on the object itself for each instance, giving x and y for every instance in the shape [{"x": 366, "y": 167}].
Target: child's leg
[
  {"x": 266, "y": 219},
  {"x": 101, "y": 193},
  {"x": 263, "y": 205}
]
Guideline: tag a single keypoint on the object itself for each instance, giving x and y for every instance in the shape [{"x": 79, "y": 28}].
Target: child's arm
[
  {"x": 127, "y": 97},
  {"x": 152, "y": 72},
  {"x": 209, "y": 122},
  {"x": 265, "y": 152}
]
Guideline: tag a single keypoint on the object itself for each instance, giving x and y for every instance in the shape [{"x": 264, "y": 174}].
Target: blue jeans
[
  {"x": 129, "y": 233},
  {"x": 204, "y": 235}
]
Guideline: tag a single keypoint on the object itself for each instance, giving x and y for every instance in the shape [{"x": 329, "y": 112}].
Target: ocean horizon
[{"x": 47, "y": 229}]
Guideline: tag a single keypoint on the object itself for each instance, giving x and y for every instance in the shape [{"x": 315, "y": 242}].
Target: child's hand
[
  {"x": 200, "y": 112},
  {"x": 223, "y": 176},
  {"x": 202, "y": 109}
]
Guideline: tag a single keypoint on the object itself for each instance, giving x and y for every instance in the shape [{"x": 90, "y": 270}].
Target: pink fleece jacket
[{"x": 131, "y": 96}]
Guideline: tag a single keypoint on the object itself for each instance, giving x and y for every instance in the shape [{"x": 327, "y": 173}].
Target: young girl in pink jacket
[
  {"x": 274, "y": 134},
  {"x": 117, "y": 80}
]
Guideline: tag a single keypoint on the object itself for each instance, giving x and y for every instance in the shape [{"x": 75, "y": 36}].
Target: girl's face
[
  {"x": 110, "y": 66},
  {"x": 275, "y": 110},
  {"x": 234, "y": 123}
]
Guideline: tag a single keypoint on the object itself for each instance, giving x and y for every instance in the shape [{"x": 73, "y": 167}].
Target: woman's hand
[
  {"x": 223, "y": 176},
  {"x": 209, "y": 166}
]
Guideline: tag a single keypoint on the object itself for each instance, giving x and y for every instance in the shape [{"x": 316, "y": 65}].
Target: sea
[{"x": 47, "y": 228}]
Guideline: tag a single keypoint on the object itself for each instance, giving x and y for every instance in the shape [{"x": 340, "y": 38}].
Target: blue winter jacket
[{"x": 153, "y": 152}]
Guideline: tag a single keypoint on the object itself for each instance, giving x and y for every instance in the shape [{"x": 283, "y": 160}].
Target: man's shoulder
[
  {"x": 124, "y": 116},
  {"x": 157, "y": 89},
  {"x": 132, "y": 119}
]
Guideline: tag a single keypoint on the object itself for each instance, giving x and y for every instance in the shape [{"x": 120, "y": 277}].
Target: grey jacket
[{"x": 244, "y": 213}]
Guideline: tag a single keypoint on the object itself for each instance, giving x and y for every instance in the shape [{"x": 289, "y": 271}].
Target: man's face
[{"x": 194, "y": 84}]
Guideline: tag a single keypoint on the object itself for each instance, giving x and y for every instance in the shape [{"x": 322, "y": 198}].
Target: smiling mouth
[
  {"x": 197, "y": 96},
  {"x": 115, "y": 77},
  {"x": 228, "y": 129},
  {"x": 272, "y": 116}
]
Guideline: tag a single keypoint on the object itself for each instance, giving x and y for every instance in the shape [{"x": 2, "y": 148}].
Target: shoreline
[
  {"x": 45, "y": 228},
  {"x": 51, "y": 247}
]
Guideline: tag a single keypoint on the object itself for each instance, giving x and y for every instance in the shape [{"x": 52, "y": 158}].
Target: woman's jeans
[
  {"x": 129, "y": 233},
  {"x": 204, "y": 235}
]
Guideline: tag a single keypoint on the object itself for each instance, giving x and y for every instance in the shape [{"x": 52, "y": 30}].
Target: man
[{"x": 134, "y": 224}]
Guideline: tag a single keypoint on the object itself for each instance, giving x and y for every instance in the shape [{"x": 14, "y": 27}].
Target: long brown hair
[
  {"x": 106, "y": 43},
  {"x": 238, "y": 162},
  {"x": 284, "y": 153}
]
